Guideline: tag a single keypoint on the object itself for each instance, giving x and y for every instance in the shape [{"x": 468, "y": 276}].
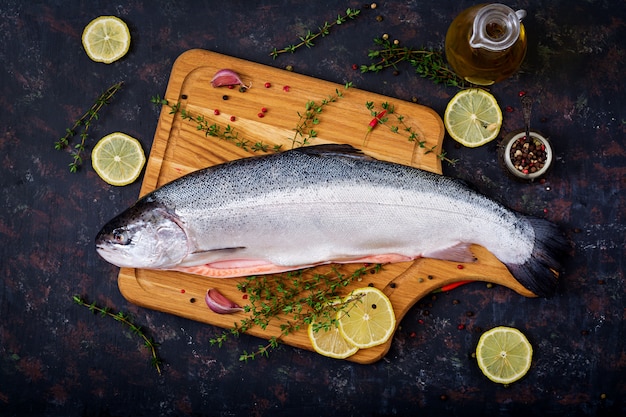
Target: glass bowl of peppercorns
[{"x": 527, "y": 158}]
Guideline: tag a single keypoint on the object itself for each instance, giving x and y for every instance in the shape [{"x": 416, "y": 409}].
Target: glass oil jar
[{"x": 486, "y": 43}]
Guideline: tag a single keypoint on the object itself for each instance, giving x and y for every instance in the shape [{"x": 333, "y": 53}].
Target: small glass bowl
[{"x": 520, "y": 156}]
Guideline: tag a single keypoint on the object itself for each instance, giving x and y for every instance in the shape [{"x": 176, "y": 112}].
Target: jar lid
[{"x": 496, "y": 27}]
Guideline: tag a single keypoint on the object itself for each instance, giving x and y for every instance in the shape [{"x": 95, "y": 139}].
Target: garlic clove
[
  {"x": 225, "y": 77},
  {"x": 220, "y": 304}
]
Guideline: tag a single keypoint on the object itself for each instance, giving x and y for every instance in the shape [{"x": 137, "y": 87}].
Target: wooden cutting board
[{"x": 179, "y": 148}]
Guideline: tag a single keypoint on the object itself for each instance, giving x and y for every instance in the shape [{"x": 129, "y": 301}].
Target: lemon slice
[
  {"x": 118, "y": 158},
  {"x": 473, "y": 117},
  {"x": 106, "y": 39},
  {"x": 330, "y": 342},
  {"x": 368, "y": 320},
  {"x": 504, "y": 354}
]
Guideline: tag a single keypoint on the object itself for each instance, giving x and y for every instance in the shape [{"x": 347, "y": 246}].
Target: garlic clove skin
[
  {"x": 220, "y": 304},
  {"x": 225, "y": 77}
]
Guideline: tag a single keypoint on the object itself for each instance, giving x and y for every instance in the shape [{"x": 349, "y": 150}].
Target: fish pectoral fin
[
  {"x": 237, "y": 268},
  {"x": 457, "y": 253}
]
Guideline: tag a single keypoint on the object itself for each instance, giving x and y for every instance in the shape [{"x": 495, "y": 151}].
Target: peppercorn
[
  {"x": 192, "y": 300},
  {"x": 392, "y": 285},
  {"x": 455, "y": 302},
  {"x": 379, "y": 18},
  {"x": 184, "y": 96},
  {"x": 224, "y": 97}
]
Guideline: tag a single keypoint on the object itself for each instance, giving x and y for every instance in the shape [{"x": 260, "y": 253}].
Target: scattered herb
[
  {"x": 85, "y": 121},
  {"x": 399, "y": 126},
  {"x": 212, "y": 129},
  {"x": 428, "y": 63},
  {"x": 304, "y": 131},
  {"x": 295, "y": 301},
  {"x": 309, "y": 37},
  {"x": 126, "y": 320}
]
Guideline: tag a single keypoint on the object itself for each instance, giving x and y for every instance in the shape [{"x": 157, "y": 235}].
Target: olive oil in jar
[{"x": 486, "y": 43}]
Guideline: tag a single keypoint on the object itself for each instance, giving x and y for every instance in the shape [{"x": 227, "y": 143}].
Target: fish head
[{"x": 146, "y": 235}]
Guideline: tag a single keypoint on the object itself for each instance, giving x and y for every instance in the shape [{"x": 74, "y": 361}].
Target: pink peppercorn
[
  {"x": 461, "y": 326},
  {"x": 264, "y": 110},
  {"x": 508, "y": 109},
  {"x": 261, "y": 114},
  {"x": 268, "y": 85},
  {"x": 216, "y": 112},
  {"x": 286, "y": 89},
  {"x": 522, "y": 93},
  {"x": 460, "y": 266},
  {"x": 232, "y": 118}
]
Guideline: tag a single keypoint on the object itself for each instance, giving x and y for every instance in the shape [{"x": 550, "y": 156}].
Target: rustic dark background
[{"x": 57, "y": 359}]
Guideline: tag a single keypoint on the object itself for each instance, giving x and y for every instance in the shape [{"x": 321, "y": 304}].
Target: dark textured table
[{"x": 57, "y": 359}]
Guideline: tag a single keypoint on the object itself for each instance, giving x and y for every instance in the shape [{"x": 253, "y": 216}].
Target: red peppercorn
[
  {"x": 216, "y": 112},
  {"x": 286, "y": 88},
  {"x": 508, "y": 109},
  {"x": 461, "y": 326},
  {"x": 522, "y": 93},
  {"x": 245, "y": 296},
  {"x": 264, "y": 110},
  {"x": 182, "y": 291},
  {"x": 355, "y": 67},
  {"x": 420, "y": 321},
  {"x": 268, "y": 85},
  {"x": 460, "y": 266},
  {"x": 230, "y": 87},
  {"x": 412, "y": 335},
  {"x": 261, "y": 114},
  {"x": 232, "y": 118}
]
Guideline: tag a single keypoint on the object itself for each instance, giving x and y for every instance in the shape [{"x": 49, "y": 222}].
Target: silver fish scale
[{"x": 347, "y": 205}]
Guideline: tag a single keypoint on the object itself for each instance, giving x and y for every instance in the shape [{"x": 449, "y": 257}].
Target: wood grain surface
[{"x": 179, "y": 148}]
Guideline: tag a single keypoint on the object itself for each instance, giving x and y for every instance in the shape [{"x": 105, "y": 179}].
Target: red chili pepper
[
  {"x": 376, "y": 120},
  {"x": 453, "y": 285}
]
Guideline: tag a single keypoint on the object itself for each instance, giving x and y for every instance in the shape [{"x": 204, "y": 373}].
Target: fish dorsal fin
[{"x": 333, "y": 150}]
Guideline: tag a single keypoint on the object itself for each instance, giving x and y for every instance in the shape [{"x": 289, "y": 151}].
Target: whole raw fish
[{"x": 323, "y": 204}]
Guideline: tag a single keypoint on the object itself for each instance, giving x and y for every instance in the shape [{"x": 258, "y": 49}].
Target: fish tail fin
[{"x": 541, "y": 271}]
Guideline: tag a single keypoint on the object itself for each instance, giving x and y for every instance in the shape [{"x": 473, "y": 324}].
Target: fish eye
[{"x": 120, "y": 237}]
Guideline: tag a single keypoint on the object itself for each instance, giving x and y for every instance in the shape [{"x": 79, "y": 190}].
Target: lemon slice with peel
[
  {"x": 330, "y": 342},
  {"x": 118, "y": 159},
  {"x": 504, "y": 354},
  {"x": 473, "y": 117},
  {"x": 106, "y": 39},
  {"x": 368, "y": 319}
]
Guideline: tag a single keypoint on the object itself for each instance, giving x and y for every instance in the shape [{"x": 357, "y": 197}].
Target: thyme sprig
[
  {"x": 304, "y": 130},
  {"x": 397, "y": 124},
  {"x": 428, "y": 63},
  {"x": 85, "y": 121},
  {"x": 294, "y": 301},
  {"x": 126, "y": 320},
  {"x": 324, "y": 30},
  {"x": 212, "y": 129}
]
